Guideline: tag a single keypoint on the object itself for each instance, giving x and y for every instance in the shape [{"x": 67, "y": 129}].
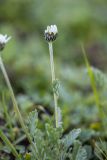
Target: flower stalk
[
  {"x": 3, "y": 40},
  {"x": 53, "y": 80},
  {"x": 13, "y": 98},
  {"x": 50, "y": 35},
  {"x": 15, "y": 104}
]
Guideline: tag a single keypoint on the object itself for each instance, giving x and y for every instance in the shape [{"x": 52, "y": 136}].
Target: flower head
[
  {"x": 3, "y": 40},
  {"x": 51, "y": 33}
]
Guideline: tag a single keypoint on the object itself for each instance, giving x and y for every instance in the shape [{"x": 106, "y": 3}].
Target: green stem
[
  {"x": 16, "y": 105},
  {"x": 14, "y": 100},
  {"x": 53, "y": 79},
  {"x": 93, "y": 84},
  {"x": 9, "y": 144}
]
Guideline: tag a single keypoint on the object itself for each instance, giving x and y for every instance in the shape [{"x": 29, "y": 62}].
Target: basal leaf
[{"x": 69, "y": 139}]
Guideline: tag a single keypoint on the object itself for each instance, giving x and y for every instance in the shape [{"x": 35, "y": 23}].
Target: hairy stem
[
  {"x": 16, "y": 105},
  {"x": 13, "y": 99},
  {"x": 53, "y": 79}
]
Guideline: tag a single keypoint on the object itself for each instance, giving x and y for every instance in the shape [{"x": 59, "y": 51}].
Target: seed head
[
  {"x": 51, "y": 33},
  {"x": 3, "y": 40}
]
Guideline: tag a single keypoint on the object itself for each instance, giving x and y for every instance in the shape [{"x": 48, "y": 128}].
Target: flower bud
[
  {"x": 51, "y": 33},
  {"x": 3, "y": 40}
]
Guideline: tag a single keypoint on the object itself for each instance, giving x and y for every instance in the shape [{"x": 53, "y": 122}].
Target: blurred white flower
[
  {"x": 3, "y": 40},
  {"x": 51, "y": 33}
]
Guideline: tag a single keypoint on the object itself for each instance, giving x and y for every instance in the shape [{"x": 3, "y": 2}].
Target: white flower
[
  {"x": 52, "y": 29},
  {"x": 3, "y": 40},
  {"x": 51, "y": 33}
]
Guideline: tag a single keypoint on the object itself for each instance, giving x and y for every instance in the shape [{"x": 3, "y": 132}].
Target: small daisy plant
[{"x": 51, "y": 33}]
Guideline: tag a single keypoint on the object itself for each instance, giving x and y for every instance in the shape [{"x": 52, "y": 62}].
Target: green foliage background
[{"x": 27, "y": 59}]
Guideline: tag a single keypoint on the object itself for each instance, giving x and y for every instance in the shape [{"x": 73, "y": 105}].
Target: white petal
[
  {"x": 55, "y": 29},
  {"x": 4, "y": 38},
  {"x": 51, "y": 29}
]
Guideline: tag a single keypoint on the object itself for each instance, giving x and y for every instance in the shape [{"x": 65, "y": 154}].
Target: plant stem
[
  {"x": 9, "y": 144},
  {"x": 14, "y": 100},
  {"x": 53, "y": 79},
  {"x": 93, "y": 84},
  {"x": 16, "y": 105}
]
